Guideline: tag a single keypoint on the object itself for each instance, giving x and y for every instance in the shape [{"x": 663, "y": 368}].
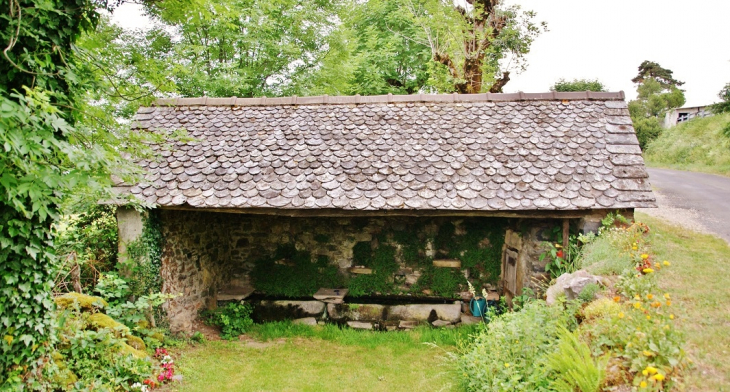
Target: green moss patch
[{"x": 83, "y": 301}]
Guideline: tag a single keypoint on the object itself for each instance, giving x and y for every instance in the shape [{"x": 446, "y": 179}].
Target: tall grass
[
  {"x": 696, "y": 145},
  {"x": 609, "y": 253},
  {"x": 348, "y": 336}
]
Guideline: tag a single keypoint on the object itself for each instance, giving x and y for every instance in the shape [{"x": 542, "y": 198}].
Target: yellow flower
[
  {"x": 621, "y": 315},
  {"x": 647, "y": 270},
  {"x": 648, "y": 353},
  {"x": 669, "y": 303},
  {"x": 666, "y": 263},
  {"x": 651, "y": 370},
  {"x": 658, "y": 377},
  {"x": 634, "y": 248},
  {"x": 645, "y": 372},
  {"x": 642, "y": 384},
  {"x": 666, "y": 295},
  {"x": 644, "y": 256},
  {"x": 650, "y": 296},
  {"x": 637, "y": 305},
  {"x": 657, "y": 265},
  {"x": 506, "y": 365},
  {"x": 648, "y": 317},
  {"x": 671, "y": 317},
  {"x": 637, "y": 297}
]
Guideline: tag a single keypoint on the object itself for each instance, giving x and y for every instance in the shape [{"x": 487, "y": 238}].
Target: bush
[
  {"x": 234, "y": 319},
  {"x": 510, "y": 353},
  {"x": 573, "y": 368}
]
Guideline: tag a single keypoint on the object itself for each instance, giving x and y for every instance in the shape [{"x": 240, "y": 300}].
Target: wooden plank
[
  {"x": 361, "y": 270},
  {"x": 566, "y": 228},
  {"x": 447, "y": 263},
  {"x": 332, "y": 296}
]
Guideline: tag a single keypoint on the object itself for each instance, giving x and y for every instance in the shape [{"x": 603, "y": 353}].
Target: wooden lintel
[
  {"x": 447, "y": 263},
  {"x": 338, "y": 213}
]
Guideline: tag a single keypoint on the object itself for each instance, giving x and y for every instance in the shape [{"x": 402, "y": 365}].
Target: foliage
[
  {"x": 560, "y": 261},
  {"x": 384, "y": 265},
  {"x": 144, "y": 258},
  {"x": 234, "y": 319},
  {"x": 572, "y": 366},
  {"x": 697, "y": 145},
  {"x": 724, "y": 105},
  {"x": 652, "y": 70},
  {"x": 511, "y": 352},
  {"x": 589, "y": 292},
  {"x": 292, "y": 273},
  {"x": 229, "y": 48},
  {"x": 614, "y": 251},
  {"x": 88, "y": 239},
  {"x": 112, "y": 288},
  {"x": 563, "y": 85},
  {"x": 97, "y": 357},
  {"x": 658, "y": 92}
]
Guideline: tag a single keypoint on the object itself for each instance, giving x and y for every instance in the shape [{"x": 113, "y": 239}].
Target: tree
[
  {"x": 563, "y": 85},
  {"x": 242, "y": 48},
  {"x": 658, "y": 92},
  {"x": 724, "y": 105},
  {"x": 652, "y": 70},
  {"x": 472, "y": 39}
]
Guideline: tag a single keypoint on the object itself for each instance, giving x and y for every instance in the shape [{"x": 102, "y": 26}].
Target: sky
[{"x": 608, "y": 39}]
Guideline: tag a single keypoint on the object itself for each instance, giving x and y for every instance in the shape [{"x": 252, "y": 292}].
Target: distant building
[{"x": 679, "y": 115}]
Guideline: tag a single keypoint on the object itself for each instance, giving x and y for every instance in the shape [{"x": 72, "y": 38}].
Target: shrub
[
  {"x": 234, "y": 319},
  {"x": 510, "y": 353}
]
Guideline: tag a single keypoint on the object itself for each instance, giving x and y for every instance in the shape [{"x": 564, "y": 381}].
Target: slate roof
[{"x": 481, "y": 152}]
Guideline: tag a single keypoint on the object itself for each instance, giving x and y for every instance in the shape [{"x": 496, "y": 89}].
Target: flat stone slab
[
  {"x": 356, "y": 312},
  {"x": 360, "y": 325},
  {"x": 361, "y": 270},
  {"x": 331, "y": 296},
  {"x": 408, "y": 324},
  {"x": 426, "y": 312},
  {"x": 288, "y": 310},
  {"x": 234, "y": 293}
]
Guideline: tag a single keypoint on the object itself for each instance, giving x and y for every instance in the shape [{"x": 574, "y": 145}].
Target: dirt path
[{"x": 696, "y": 201}]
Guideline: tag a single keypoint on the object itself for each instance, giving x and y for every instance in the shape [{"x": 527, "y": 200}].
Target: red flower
[{"x": 559, "y": 254}]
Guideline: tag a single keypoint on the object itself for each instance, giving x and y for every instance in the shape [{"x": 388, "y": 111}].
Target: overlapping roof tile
[{"x": 486, "y": 152}]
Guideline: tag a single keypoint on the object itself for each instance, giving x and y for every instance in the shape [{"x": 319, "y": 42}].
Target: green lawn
[
  {"x": 699, "y": 282},
  {"x": 328, "y": 360}
]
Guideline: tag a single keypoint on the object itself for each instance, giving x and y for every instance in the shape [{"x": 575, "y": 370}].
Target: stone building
[{"x": 286, "y": 195}]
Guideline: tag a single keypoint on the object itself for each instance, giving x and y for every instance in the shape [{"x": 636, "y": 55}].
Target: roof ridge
[{"x": 390, "y": 98}]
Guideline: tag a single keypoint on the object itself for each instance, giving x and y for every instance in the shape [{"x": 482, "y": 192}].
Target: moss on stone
[
  {"x": 135, "y": 342},
  {"x": 85, "y": 302},
  {"x": 126, "y": 349},
  {"x": 64, "y": 376},
  {"x": 100, "y": 320}
]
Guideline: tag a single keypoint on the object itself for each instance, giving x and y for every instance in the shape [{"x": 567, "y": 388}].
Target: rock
[
  {"x": 571, "y": 285},
  {"x": 467, "y": 319},
  {"x": 440, "y": 323},
  {"x": 356, "y": 312},
  {"x": 306, "y": 321},
  {"x": 85, "y": 302},
  {"x": 287, "y": 310},
  {"x": 177, "y": 377},
  {"x": 360, "y": 325},
  {"x": 135, "y": 342},
  {"x": 407, "y": 324},
  {"x": 426, "y": 312},
  {"x": 100, "y": 320}
]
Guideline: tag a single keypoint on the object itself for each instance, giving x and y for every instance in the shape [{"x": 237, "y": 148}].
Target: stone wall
[{"x": 206, "y": 252}]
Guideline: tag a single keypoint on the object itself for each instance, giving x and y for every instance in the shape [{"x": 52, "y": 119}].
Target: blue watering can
[{"x": 478, "y": 307}]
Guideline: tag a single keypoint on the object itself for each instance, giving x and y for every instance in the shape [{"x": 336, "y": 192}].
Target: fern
[{"x": 573, "y": 367}]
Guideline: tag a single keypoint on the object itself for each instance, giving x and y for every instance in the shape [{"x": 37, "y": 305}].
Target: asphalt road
[{"x": 707, "y": 195}]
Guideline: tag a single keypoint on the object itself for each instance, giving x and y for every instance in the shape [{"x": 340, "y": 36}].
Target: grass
[
  {"x": 699, "y": 283},
  {"x": 696, "y": 145},
  {"x": 287, "y": 357}
]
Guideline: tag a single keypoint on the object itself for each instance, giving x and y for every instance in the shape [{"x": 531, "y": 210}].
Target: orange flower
[
  {"x": 650, "y": 296},
  {"x": 616, "y": 299}
]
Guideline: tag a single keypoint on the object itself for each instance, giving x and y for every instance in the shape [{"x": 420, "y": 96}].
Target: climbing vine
[{"x": 145, "y": 257}]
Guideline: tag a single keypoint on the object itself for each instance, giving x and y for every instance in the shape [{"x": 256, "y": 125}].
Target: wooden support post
[{"x": 566, "y": 227}]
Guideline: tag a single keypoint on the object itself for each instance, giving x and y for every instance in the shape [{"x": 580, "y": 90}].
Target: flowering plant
[{"x": 166, "y": 374}]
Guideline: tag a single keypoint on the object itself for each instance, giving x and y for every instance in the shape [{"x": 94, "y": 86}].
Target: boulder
[
  {"x": 571, "y": 285},
  {"x": 83, "y": 301},
  {"x": 305, "y": 321},
  {"x": 405, "y": 324},
  {"x": 356, "y": 312},
  {"x": 467, "y": 319},
  {"x": 100, "y": 320}
]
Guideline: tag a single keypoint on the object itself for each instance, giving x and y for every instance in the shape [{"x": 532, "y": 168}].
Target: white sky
[{"x": 608, "y": 39}]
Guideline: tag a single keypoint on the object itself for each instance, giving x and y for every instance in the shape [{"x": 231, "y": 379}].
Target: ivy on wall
[
  {"x": 477, "y": 243},
  {"x": 144, "y": 257}
]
